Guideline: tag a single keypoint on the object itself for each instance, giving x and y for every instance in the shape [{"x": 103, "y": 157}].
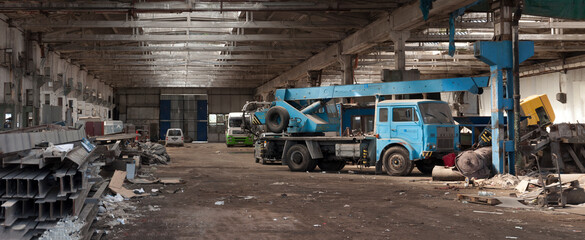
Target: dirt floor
[{"x": 270, "y": 202}]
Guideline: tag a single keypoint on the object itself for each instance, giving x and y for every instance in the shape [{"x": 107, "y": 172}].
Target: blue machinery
[
  {"x": 309, "y": 112},
  {"x": 304, "y": 105},
  {"x": 499, "y": 56}
]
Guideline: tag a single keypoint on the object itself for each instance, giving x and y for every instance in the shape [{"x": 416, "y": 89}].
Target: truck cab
[
  {"x": 413, "y": 132},
  {"x": 234, "y": 134}
]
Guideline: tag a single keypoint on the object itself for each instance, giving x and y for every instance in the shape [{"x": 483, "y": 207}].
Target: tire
[
  {"x": 333, "y": 166},
  {"x": 277, "y": 119},
  {"x": 299, "y": 159},
  {"x": 425, "y": 166},
  {"x": 256, "y": 160},
  {"x": 396, "y": 162}
]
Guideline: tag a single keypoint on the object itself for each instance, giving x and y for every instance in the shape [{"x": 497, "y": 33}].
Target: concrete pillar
[
  {"x": 503, "y": 10},
  {"x": 347, "y": 69},
  {"x": 399, "y": 39}
]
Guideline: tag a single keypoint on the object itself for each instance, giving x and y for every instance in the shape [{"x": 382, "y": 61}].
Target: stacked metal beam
[{"x": 38, "y": 186}]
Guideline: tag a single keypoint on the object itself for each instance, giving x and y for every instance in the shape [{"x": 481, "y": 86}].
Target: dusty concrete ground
[{"x": 269, "y": 202}]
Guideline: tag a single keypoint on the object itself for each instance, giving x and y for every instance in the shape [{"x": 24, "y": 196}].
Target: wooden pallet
[{"x": 478, "y": 199}]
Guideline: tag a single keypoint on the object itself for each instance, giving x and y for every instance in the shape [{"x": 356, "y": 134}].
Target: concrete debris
[
  {"x": 503, "y": 181},
  {"x": 118, "y": 211},
  {"x": 511, "y": 202},
  {"x": 219, "y": 203},
  {"x": 68, "y": 228},
  {"x": 115, "y": 198},
  {"x": 154, "y": 153},
  {"x": 153, "y": 208},
  {"x": 102, "y": 209},
  {"x": 522, "y": 186},
  {"x": 486, "y": 193}
]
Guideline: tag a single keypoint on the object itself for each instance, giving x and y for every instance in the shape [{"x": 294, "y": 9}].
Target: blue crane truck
[{"x": 306, "y": 129}]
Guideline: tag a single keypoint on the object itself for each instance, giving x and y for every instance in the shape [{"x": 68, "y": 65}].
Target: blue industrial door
[
  {"x": 164, "y": 118},
  {"x": 201, "y": 120}
]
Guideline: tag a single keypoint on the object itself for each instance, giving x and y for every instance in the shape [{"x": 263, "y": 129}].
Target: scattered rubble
[
  {"x": 154, "y": 153},
  {"x": 68, "y": 228}
]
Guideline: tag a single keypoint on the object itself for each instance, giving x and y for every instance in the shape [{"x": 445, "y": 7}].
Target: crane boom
[{"x": 470, "y": 84}]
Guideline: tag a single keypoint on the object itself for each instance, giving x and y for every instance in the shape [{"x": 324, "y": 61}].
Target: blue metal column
[{"x": 498, "y": 55}]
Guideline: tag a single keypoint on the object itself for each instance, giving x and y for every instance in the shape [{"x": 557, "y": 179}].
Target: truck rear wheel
[
  {"x": 331, "y": 165},
  {"x": 396, "y": 162},
  {"x": 299, "y": 159},
  {"x": 277, "y": 119}
]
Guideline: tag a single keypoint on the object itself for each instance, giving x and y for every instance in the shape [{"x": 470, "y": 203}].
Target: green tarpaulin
[{"x": 570, "y": 9}]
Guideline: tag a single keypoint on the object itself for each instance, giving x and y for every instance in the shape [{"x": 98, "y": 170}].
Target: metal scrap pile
[{"x": 45, "y": 176}]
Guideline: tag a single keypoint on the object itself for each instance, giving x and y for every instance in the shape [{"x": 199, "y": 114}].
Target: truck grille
[
  {"x": 445, "y": 138},
  {"x": 445, "y": 144}
]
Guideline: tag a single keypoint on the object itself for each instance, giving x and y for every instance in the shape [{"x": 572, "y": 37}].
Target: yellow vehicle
[{"x": 538, "y": 110}]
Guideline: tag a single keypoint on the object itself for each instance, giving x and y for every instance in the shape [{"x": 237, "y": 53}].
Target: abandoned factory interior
[{"x": 292, "y": 119}]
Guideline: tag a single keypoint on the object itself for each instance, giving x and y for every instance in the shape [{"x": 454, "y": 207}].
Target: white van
[{"x": 174, "y": 137}]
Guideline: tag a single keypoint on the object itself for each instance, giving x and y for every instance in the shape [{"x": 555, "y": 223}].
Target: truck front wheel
[
  {"x": 299, "y": 159},
  {"x": 396, "y": 162}
]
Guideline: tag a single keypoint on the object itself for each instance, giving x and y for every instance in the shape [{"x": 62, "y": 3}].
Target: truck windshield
[
  {"x": 235, "y": 122},
  {"x": 436, "y": 113}
]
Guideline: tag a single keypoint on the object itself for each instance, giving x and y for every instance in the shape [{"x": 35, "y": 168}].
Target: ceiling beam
[
  {"x": 100, "y": 67},
  {"x": 187, "y": 38},
  {"x": 488, "y": 36},
  {"x": 186, "y": 25},
  {"x": 247, "y": 77},
  {"x": 405, "y": 18},
  {"x": 201, "y": 48},
  {"x": 191, "y": 6},
  {"x": 97, "y": 62},
  {"x": 523, "y": 25},
  {"x": 184, "y": 56}
]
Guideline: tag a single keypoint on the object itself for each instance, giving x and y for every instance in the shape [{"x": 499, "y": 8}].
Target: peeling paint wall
[{"x": 24, "y": 66}]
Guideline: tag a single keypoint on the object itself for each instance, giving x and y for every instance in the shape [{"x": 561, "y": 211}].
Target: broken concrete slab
[
  {"x": 522, "y": 186},
  {"x": 511, "y": 202}
]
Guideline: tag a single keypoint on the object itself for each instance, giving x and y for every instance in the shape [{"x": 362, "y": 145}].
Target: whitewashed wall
[{"x": 572, "y": 83}]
